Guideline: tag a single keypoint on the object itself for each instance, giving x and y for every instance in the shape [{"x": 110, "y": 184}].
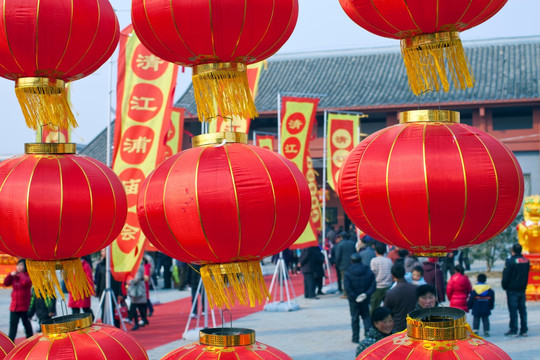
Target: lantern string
[{"x": 223, "y": 320}]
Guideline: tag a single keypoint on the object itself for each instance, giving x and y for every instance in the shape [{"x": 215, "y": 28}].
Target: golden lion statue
[{"x": 529, "y": 230}]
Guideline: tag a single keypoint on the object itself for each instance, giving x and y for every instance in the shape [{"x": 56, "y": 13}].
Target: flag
[
  {"x": 238, "y": 123},
  {"x": 343, "y": 136},
  {"x": 175, "y": 134},
  {"x": 266, "y": 141},
  {"x": 297, "y": 119},
  {"x": 144, "y": 95}
]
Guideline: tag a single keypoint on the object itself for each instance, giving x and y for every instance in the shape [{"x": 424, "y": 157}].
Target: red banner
[
  {"x": 144, "y": 97},
  {"x": 343, "y": 136},
  {"x": 297, "y": 120},
  {"x": 266, "y": 141},
  {"x": 237, "y": 123}
]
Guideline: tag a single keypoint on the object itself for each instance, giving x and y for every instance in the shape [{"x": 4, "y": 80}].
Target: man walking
[
  {"x": 359, "y": 284},
  {"x": 381, "y": 267},
  {"x": 401, "y": 299},
  {"x": 344, "y": 250},
  {"x": 514, "y": 281}
]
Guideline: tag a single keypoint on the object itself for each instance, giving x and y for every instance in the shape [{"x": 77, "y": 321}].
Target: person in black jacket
[
  {"x": 43, "y": 307},
  {"x": 311, "y": 259},
  {"x": 344, "y": 250},
  {"x": 359, "y": 283},
  {"x": 514, "y": 281}
]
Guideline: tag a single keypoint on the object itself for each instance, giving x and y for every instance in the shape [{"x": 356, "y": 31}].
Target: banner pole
[
  {"x": 278, "y": 116},
  {"x": 325, "y": 119}
]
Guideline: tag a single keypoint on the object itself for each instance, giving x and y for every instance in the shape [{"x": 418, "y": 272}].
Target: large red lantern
[
  {"x": 6, "y": 345},
  {"x": 218, "y": 39},
  {"x": 439, "y": 333},
  {"x": 226, "y": 205},
  {"x": 431, "y": 184},
  {"x": 74, "y": 337},
  {"x": 429, "y": 34},
  {"x": 227, "y": 344},
  {"x": 56, "y": 205},
  {"x": 44, "y": 44}
]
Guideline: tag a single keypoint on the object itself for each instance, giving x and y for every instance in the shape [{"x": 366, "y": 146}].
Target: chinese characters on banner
[
  {"x": 297, "y": 119},
  {"x": 144, "y": 94},
  {"x": 266, "y": 141},
  {"x": 237, "y": 123},
  {"x": 342, "y": 137}
]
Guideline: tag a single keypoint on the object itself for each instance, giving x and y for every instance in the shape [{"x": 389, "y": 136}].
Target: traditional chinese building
[{"x": 505, "y": 101}]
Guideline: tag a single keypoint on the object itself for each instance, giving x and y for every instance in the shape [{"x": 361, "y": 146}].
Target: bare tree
[{"x": 497, "y": 247}]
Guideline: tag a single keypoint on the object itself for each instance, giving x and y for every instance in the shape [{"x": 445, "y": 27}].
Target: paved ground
[{"x": 320, "y": 330}]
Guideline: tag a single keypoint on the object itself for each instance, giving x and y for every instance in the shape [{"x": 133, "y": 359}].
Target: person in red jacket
[
  {"x": 458, "y": 289},
  {"x": 20, "y": 299},
  {"x": 84, "y": 303}
]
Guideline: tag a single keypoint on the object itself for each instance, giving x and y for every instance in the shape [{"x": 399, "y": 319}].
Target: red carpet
[{"x": 169, "y": 319}]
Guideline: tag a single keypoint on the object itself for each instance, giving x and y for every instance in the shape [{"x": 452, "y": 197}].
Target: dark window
[{"x": 512, "y": 118}]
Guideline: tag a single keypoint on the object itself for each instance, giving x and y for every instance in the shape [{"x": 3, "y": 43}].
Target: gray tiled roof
[
  {"x": 506, "y": 70},
  {"x": 97, "y": 148}
]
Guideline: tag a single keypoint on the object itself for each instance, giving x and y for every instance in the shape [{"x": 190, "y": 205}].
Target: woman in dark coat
[{"x": 433, "y": 275}]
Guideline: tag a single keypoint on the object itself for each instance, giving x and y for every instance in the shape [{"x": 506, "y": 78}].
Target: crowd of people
[
  {"x": 26, "y": 305},
  {"x": 383, "y": 284}
]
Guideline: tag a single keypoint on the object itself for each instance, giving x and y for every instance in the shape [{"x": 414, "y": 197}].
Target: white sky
[{"x": 322, "y": 25}]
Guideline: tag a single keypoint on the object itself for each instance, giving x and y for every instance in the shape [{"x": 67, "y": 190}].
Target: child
[
  {"x": 43, "y": 307},
  {"x": 416, "y": 276},
  {"x": 481, "y": 301},
  {"x": 20, "y": 299}
]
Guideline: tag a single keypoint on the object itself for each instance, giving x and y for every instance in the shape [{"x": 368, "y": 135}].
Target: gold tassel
[
  {"x": 44, "y": 280},
  {"x": 224, "y": 283},
  {"x": 427, "y": 57},
  {"x": 44, "y": 101},
  {"x": 222, "y": 89}
]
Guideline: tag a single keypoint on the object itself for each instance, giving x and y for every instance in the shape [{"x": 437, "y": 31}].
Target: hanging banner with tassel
[
  {"x": 297, "y": 120},
  {"x": 239, "y": 123},
  {"x": 343, "y": 136},
  {"x": 144, "y": 94}
]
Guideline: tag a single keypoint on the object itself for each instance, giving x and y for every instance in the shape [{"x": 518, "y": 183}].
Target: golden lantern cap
[
  {"x": 50, "y": 148},
  {"x": 65, "y": 324},
  {"x": 40, "y": 82},
  {"x": 443, "y": 116},
  {"x": 225, "y": 337},
  {"x": 220, "y": 66},
  {"x": 219, "y": 138},
  {"x": 418, "y": 41},
  {"x": 437, "y": 324}
]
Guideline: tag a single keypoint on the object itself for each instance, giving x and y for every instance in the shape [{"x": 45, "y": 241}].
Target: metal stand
[
  {"x": 193, "y": 334},
  {"x": 108, "y": 301},
  {"x": 332, "y": 286},
  {"x": 285, "y": 288}
]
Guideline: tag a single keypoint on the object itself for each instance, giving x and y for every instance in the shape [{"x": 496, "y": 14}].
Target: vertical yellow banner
[
  {"x": 343, "y": 136},
  {"x": 297, "y": 120},
  {"x": 237, "y": 123},
  {"x": 144, "y": 95}
]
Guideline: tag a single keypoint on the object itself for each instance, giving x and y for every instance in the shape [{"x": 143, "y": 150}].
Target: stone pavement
[{"x": 320, "y": 330}]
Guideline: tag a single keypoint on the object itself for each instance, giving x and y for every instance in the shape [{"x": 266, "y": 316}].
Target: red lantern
[
  {"x": 227, "y": 344},
  {"x": 217, "y": 38},
  {"x": 439, "y": 333},
  {"x": 431, "y": 184},
  {"x": 226, "y": 205},
  {"x": 429, "y": 34},
  {"x": 6, "y": 345},
  {"x": 75, "y": 337},
  {"x": 56, "y": 205},
  {"x": 44, "y": 44}
]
